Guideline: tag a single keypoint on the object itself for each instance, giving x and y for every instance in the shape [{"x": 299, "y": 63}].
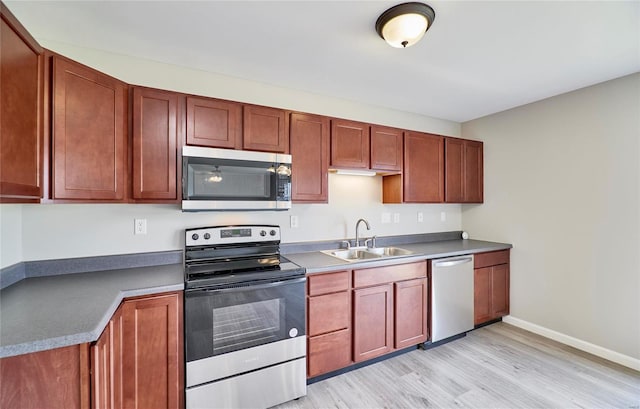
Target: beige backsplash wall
[{"x": 78, "y": 230}]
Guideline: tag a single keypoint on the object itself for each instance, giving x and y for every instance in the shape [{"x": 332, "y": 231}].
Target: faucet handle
[
  {"x": 371, "y": 240},
  {"x": 347, "y": 243}
]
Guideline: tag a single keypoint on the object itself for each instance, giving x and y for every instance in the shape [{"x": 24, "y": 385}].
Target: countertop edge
[{"x": 89, "y": 336}]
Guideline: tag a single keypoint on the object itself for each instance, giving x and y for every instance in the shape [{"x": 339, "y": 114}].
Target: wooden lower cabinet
[
  {"x": 57, "y": 378},
  {"x": 372, "y": 322},
  {"x": 328, "y": 352},
  {"x": 491, "y": 286},
  {"x": 138, "y": 359},
  {"x": 361, "y": 314},
  {"x": 410, "y": 312},
  {"x": 328, "y": 322}
]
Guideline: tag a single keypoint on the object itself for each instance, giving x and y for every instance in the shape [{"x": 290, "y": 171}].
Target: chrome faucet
[{"x": 358, "y": 225}]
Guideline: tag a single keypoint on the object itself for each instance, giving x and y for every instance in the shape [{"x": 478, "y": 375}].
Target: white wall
[
  {"x": 10, "y": 234},
  {"x": 77, "y": 230},
  {"x": 562, "y": 183}
]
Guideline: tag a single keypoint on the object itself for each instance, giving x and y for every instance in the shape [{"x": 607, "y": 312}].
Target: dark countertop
[
  {"x": 56, "y": 304},
  {"x": 318, "y": 262},
  {"x": 49, "y": 312}
]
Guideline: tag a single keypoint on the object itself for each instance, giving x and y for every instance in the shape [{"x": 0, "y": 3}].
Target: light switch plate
[
  {"x": 396, "y": 217},
  {"x": 386, "y": 217}
]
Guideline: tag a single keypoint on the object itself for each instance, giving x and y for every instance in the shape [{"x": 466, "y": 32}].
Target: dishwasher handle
[{"x": 451, "y": 263}]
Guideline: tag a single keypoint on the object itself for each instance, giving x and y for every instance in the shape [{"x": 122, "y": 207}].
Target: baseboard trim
[{"x": 585, "y": 346}]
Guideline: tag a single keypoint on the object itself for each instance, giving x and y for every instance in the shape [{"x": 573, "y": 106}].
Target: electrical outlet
[
  {"x": 443, "y": 216},
  {"x": 420, "y": 217},
  {"x": 294, "y": 222},
  {"x": 140, "y": 226},
  {"x": 386, "y": 217},
  {"x": 396, "y": 217}
]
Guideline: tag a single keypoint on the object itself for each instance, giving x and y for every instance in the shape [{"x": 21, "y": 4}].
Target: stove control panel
[{"x": 231, "y": 234}]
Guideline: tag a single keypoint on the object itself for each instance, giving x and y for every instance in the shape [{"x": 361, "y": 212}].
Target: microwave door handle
[{"x": 255, "y": 287}]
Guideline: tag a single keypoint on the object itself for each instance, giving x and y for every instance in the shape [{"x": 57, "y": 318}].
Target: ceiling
[{"x": 478, "y": 58}]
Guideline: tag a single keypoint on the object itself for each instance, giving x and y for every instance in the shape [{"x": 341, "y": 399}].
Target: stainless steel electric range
[{"x": 245, "y": 335}]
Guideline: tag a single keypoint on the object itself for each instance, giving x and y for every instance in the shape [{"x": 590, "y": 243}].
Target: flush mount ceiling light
[{"x": 404, "y": 25}]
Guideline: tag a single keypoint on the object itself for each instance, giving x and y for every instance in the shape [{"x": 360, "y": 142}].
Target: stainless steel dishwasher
[{"x": 451, "y": 296}]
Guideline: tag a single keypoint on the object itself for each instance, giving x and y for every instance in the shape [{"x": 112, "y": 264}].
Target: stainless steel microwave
[{"x": 227, "y": 179}]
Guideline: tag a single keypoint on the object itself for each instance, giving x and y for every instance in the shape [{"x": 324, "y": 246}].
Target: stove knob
[
  {"x": 207, "y": 236},
  {"x": 195, "y": 236},
  {"x": 272, "y": 232},
  {"x": 263, "y": 233}
]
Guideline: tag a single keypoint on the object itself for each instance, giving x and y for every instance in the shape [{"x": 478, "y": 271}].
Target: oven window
[
  {"x": 241, "y": 326},
  {"x": 229, "y": 182},
  {"x": 221, "y": 321}
]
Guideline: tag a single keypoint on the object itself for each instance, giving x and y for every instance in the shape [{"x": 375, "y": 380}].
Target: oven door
[{"x": 223, "y": 320}]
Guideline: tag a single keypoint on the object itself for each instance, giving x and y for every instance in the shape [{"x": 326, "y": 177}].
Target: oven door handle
[{"x": 254, "y": 287}]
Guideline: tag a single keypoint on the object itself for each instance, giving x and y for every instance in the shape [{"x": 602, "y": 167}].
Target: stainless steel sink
[
  {"x": 390, "y": 251},
  {"x": 359, "y": 254},
  {"x": 352, "y": 254}
]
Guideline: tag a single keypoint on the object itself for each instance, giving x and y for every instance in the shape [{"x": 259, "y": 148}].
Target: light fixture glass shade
[
  {"x": 405, "y": 24},
  {"x": 405, "y": 30}
]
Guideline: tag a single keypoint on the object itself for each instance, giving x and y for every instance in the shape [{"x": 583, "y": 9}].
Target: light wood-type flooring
[{"x": 498, "y": 366}]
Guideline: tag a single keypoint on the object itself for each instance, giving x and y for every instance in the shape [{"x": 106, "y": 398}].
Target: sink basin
[
  {"x": 352, "y": 254},
  {"x": 358, "y": 254},
  {"x": 390, "y": 251}
]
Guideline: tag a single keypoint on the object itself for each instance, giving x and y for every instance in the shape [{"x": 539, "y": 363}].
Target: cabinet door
[
  {"x": 309, "y": 146},
  {"x": 155, "y": 145},
  {"x": 372, "y": 322},
  {"x": 265, "y": 129},
  {"x": 349, "y": 144},
  {"x": 214, "y": 123},
  {"x": 56, "y": 378},
  {"x": 21, "y": 108},
  {"x": 386, "y": 148},
  {"x": 454, "y": 172},
  {"x": 106, "y": 366},
  {"x": 410, "y": 312},
  {"x": 464, "y": 171},
  {"x": 499, "y": 290},
  {"x": 152, "y": 353},
  {"x": 423, "y": 175},
  {"x": 482, "y": 295},
  {"x": 89, "y": 133},
  {"x": 474, "y": 172},
  {"x": 328, "y": 352}
]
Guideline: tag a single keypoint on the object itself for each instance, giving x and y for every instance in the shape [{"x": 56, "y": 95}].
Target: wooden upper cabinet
[
  {"x": 386, "y": 148},
  {"x": 155, "y": 145},
  {"x": 309, "y": 148},
  {"x": 474, "y": 172},
  {"x": 21, "y": 109},
  {"x": 265, "y": 129},
  {"x": 464, "y": 171},
  {"x": 423, "y": 176},
  {"x": 89, "y": 134},
  {"x": 349, "y": 144},
  {"x": 214, "y": 123}
]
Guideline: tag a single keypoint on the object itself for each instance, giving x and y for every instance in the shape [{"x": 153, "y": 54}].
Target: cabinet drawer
[
  {"x": 381, "y": 275},
  {"x": 328, "y": 283},
  {"x": 490, "y": 259},
  {"x": 329, "y": 352},
  {"x": 328, "y": 313}
]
